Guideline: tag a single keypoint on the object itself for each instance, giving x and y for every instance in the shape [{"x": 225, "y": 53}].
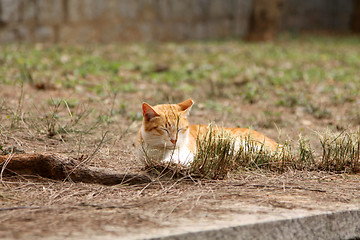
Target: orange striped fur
[{"x": 166, "y": 134}]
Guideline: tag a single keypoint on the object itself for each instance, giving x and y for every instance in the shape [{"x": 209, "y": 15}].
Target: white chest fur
[
  {"x": 180, "y": 155},
  {"x": 153, "y": 150}
]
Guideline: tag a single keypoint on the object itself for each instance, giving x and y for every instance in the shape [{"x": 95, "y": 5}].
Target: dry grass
[
  {"x": 62, "y": 99},
  {"x": 217, "y": 156},
  {"x": 340, "y": 153}
]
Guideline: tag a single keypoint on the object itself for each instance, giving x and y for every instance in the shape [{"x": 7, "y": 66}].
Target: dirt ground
[
  {"x": 35, "y": 208},
  {"x": 32, "y": 207}
]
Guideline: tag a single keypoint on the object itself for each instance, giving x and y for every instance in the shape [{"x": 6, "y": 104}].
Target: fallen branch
[{"x": 58, "y": 168}]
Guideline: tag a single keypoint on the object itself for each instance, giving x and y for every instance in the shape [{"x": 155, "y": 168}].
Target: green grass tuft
[
  {"x": 217, "y": 156},
  {"x": 340, "y": 153}
]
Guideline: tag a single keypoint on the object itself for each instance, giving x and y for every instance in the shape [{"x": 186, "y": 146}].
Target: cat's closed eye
[{"x": 165, "y": 130}]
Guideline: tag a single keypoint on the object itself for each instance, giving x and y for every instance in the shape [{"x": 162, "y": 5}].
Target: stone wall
[
  {"x": 126, "y": 20},
  {"x": 317, "y": 15},
  {"x": 79, "y": 21}
]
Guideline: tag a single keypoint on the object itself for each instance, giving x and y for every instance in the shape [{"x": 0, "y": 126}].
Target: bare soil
[{"x": 32, "y": 207}]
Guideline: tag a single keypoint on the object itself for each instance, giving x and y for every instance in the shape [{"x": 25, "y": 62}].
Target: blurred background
[
  {"x": 73, "y": 67},
  {"x": 74, "y": 74},
  {"x": 80, "y": 21}
]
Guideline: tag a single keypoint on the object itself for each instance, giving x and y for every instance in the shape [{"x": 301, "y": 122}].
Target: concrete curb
[{"x": 334, "y": 225}]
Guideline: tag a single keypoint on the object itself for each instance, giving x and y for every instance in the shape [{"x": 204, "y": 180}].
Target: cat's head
[{"x": 166, "y": 125}]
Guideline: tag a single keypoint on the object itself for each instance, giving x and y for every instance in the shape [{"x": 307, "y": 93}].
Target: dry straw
[{"x": 218, "y": 154}]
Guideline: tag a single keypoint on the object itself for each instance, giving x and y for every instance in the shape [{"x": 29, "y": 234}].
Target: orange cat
[{"x": 166, "y": 134}]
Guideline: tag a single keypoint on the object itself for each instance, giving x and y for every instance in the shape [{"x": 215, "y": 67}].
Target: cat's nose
[{"x": 173, "y": 141}]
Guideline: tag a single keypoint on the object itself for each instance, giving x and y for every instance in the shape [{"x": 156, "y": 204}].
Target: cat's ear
[
  {"x": 186, "y": 105},
  {"x": 148, "y": 112}
]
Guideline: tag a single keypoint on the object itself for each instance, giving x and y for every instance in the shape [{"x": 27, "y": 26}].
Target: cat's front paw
[{"x": 181, "y": 161}]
